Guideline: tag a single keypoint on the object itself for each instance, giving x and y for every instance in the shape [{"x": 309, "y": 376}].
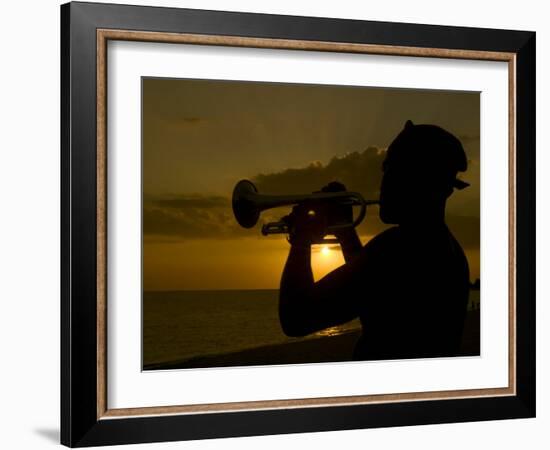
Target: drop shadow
[{"x": 50, "y": 434}]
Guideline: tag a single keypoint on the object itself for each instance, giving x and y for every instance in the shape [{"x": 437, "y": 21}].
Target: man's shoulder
[
  {"x": 390, "y": 235},
  {"x": 383, "y": 242},
  {"x": 376, "y": 253}
]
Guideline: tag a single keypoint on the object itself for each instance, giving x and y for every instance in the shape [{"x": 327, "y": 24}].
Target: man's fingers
[{"x": 334, "y": 186}]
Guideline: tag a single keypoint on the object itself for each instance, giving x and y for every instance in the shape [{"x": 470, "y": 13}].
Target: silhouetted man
[{"x": 409, "y": 285}]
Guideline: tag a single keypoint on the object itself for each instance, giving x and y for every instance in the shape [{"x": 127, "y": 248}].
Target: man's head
[{"x": 420, "y": 171}]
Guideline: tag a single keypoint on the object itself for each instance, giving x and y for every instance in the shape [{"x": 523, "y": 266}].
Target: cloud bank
[
  {"x": 196, "y": 216},
  {"x": 359, "y": 171}
]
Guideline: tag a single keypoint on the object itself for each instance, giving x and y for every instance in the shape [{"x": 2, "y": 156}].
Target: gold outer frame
[{"x": 103, "y": 36}]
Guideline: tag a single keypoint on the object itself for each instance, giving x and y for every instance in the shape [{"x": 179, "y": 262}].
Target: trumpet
[{"x": 248, "y": 204}]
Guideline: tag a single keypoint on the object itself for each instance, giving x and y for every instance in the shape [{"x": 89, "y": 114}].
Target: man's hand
[
  {"x": 308, "y": 222},
  {"x": 307, "y": 225},
  {"x": 339, "y": 213}
]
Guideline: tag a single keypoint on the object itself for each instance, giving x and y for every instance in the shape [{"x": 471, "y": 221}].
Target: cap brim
[{"x": 459, "y": 184}]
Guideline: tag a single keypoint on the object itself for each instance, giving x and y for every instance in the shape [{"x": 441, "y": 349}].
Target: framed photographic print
[{"x": 276, "y": 224}]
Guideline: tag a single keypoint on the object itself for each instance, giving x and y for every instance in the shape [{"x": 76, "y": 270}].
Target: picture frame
[{"x": 86, "y": 418}]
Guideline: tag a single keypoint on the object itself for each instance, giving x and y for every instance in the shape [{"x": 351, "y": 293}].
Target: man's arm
[
  {"x": 350, "y": 244},
  {"x": 296, "y": 282},
  {"x": 306, "y": 306}
]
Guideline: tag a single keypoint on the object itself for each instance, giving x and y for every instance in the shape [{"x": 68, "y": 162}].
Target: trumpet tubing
[{"x": 248, "y": 204}]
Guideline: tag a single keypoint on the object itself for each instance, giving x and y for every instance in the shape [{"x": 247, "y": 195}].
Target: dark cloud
[
  {"x": 362, "y": 172},
  {"x": 194, "y": 222},
  {"x": 359, "y": 171},
  {"x": 195, "y": 216},
  {"x": 190, "y": 216},
  {"x": 200, "y": 216}
]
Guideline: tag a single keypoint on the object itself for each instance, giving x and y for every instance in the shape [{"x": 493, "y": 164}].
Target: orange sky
[{"x": 201, "y": 137}]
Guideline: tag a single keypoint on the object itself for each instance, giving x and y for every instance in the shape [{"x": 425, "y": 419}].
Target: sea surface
[{"x": 180, "y": 325}]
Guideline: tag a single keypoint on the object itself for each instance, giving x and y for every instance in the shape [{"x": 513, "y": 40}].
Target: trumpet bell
[{"x": 246, "y": 211}]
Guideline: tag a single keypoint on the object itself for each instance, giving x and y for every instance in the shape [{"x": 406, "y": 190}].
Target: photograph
[
  {"x": 288, "y": 223},
  {"x": 277, "y": 223}
]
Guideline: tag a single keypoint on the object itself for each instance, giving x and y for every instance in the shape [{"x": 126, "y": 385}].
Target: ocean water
[
  {"x": 179, "y": 325},
  {"x": 183, "y": 324}
]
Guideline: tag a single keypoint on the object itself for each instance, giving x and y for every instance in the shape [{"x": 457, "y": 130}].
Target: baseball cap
[{"x": 433, "y": 149}]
